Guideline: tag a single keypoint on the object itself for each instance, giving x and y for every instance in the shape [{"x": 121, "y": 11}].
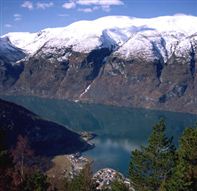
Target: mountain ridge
[
  {"x": 83, "y": 29},
  {"x": 113, "y": 60}
]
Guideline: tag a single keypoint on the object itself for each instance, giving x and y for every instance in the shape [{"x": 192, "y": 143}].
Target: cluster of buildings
[
  {"x": 105, "y": 177},
  {"x": 77, "y": 163}
]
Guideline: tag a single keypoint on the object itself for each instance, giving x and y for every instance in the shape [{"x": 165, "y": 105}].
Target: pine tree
[
  {"x": 184, "y": 176},
  {"x": 152, "y": 165}
]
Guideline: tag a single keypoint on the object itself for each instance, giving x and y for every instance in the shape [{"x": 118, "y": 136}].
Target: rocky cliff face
[
  {"x": 113, "y": 60},
  {"x": 147, "y": 79}
]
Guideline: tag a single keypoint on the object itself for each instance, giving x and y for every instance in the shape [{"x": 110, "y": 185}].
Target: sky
[{"x": 35, "y": 15}]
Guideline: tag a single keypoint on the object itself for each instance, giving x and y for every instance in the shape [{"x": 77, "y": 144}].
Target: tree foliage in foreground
[
  {"x": 184, "y": 176},
  {"x": 82, "y": 182},
  {"x": 159, "y": 167},
  {"x": 36, "y": 182},
  {"x": 119, "y": 185},
  {"x": 17, "y": 172},
  {"x": 155, "y": 167},
  {"x": 153, "y": 164},
  {"x": 22, "y": 156},
  {"x": 5, "y": 163}
]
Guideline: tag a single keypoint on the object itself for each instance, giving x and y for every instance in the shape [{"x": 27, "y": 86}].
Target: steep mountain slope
[
  {"x": 114, "y": 60},
  {"x": 46, "y": 138}
]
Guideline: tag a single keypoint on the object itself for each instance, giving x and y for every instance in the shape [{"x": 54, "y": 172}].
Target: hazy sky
[{"x": 34, "y": 15}]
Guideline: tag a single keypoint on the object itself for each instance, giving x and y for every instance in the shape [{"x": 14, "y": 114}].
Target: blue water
[{"x": 119, "y": 129}]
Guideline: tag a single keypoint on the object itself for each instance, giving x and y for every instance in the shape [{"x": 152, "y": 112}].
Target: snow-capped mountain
[
  {"x": 111, "y": 31},
  {"x": 114, "y": 60}
]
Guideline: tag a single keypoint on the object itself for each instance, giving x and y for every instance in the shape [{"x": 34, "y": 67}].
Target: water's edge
[{"x": 118, "y": 129}]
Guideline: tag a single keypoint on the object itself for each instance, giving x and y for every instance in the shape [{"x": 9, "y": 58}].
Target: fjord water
[{"x": 118, "y": 129}]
